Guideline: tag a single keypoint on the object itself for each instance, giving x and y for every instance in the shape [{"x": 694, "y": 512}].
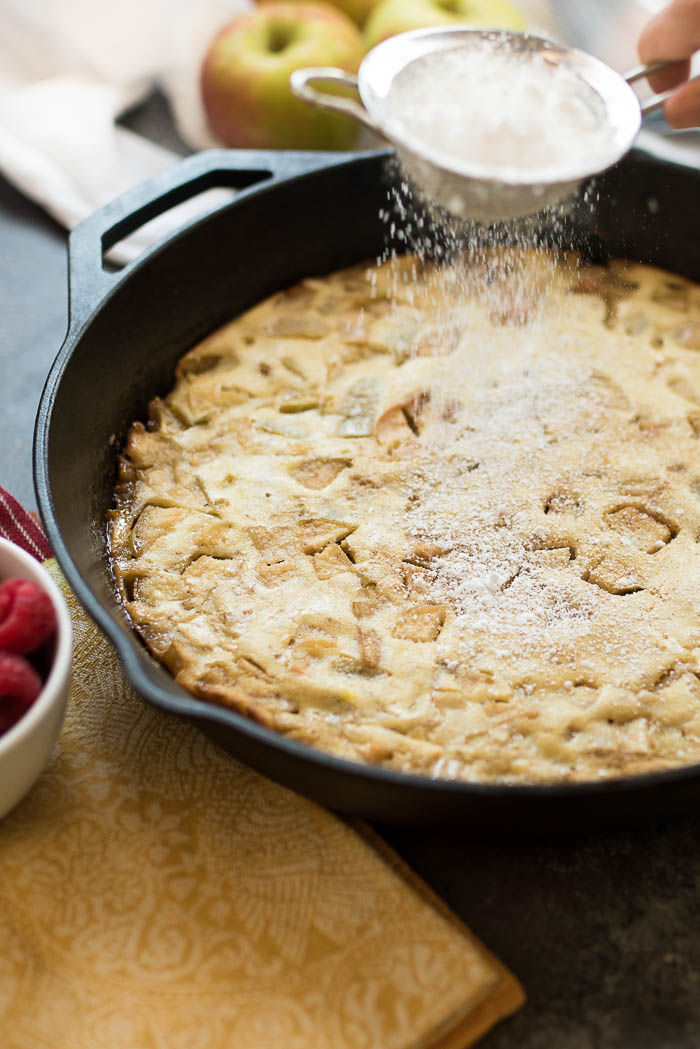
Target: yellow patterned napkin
[{"x": 156, "y": 894}]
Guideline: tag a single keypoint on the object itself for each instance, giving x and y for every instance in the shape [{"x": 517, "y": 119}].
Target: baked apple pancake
[{"x": 443, "y": 520}]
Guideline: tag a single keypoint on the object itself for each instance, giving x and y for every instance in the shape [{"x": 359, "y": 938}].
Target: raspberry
[
  {"x": 19, "y": 686},
  {"x": 27, "y": 617}
]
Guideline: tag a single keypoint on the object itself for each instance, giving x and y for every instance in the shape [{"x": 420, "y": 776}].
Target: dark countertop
[{"x": 604, "y": 931}]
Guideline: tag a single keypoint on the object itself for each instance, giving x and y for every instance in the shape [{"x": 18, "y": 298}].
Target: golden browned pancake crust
[{"x": 448, "y": 530}]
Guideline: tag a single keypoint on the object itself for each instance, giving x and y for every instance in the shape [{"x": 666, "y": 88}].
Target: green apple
[
  {"x": 245, "y": 76},
  {"x": 358, "y": 10},
  {"x": 398, "y": 16}
]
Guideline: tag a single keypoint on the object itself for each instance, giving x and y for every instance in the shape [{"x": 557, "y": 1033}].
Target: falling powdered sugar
[{"x": 504, "y": 388}]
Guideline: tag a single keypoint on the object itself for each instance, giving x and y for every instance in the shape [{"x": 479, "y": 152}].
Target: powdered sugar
[
  {"x": 514, "y": 114},
  {"x": 480, "y": 504}
]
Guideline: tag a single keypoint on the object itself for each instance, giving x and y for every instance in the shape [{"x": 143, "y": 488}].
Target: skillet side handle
[{"x": 246, "y": 171}]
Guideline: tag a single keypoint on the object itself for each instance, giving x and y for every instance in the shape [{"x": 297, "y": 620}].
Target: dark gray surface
[
  {"x": 33, "y": 315},
  {"x": 604, "y": 933}
]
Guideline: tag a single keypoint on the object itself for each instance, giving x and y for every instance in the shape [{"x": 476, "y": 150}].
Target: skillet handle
[{"x": 245, "y": 170}]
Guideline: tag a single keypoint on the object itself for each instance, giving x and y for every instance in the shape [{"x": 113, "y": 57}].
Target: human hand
[{"x": 675, "y": 34}]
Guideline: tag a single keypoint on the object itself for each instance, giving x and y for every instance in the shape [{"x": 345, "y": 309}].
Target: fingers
[
  {"x": 683, "y": 107},
  {"x": 673, "y": 33}
]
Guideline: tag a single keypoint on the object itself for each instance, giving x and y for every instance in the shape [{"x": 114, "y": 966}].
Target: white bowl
[{"x": 26, "y": 747}]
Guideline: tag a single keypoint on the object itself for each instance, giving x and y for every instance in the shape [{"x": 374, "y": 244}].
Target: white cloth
[{"x": 68, "y": 68}]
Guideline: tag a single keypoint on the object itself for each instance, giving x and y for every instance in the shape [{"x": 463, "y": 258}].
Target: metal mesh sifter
[{"x": 468, "y": 189}]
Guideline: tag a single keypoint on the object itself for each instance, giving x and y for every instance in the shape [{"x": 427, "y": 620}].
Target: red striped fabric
[{"x": 18, "y": 525}]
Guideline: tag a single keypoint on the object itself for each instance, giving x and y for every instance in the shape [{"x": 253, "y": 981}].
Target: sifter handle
[
  {"x": 302, "y": 81},
  {"x": 650, "y": 105},
  {"x": 640, "y": 72},
  {"x": 657, "y": 101}
]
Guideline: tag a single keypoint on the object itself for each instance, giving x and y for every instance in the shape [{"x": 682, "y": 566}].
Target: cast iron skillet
[{"x": 296, "y": 215}]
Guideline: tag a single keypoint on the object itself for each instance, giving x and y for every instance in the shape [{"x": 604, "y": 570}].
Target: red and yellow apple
[
  {"x": 245, "y": 76},
  {"x": 390, "y": 17}
]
